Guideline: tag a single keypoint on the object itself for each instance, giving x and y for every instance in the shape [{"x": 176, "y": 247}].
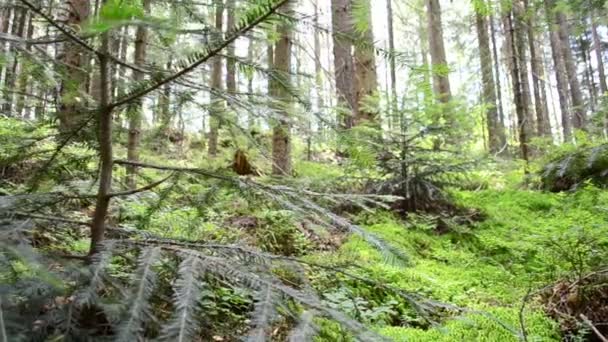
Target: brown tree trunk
[
  {"x": 5, "y": 21},
  {"x": 18, "y": 29},
  {"x": 517, "y": 76},
  {"x": 441, "y": 81},
  {"x": 366, "y": 78},
  {"x": 543, "y": 125},
  {"x": 231, "y": 85},
  {"x": 74, "y": 81},
  {"x": 599, "y": 57},
  {"x": 23, "y": 79},
  {"x": 578, "y": 119},
  {"x": 343, "y": 61},
  {"x": 501, "y": 113},
  {"x": 98, "y": 225},
  {"x": 589, "y": 78},
  {"x": 496, "y": 135},
  {"x": 279, "y": 91},
  {"x": 217, "y": 105},
  {"x": 392, "y": 62},
  {"x": 560, "y": 73},
  {"x": 135, "y": 119}
]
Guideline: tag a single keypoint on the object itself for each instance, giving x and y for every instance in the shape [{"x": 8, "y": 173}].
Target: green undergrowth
[{"x": 528, "y": 240}]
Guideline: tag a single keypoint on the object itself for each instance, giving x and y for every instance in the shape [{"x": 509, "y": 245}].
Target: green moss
[{"x": 488, "y": 268}]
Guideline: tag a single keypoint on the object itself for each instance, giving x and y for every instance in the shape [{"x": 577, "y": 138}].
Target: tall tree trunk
[
  {"x": 589, "y": 79},
  {"x": 23, "y": 79},
  {"x": 5, "y": 21},
  {"x": 543, "y": 125},
  {"x": 98, "y": 225},
  {"x": 74, "y": 80},
  {"x": 279, "y": 91},
  {"x": 599, "y": 57},
  {"x": 343, "y": 60},
  {"x": 392, "y": 62},
  {"x": 319, "y": 89},
  {"x": 559, "y": 68},
  {"x": 496, "y": 135},
  {"x": 250, "y": 53},
  {"x": 231, "y": 85},
  {"x": 135, "y": 119},
  {"x": 441, "y": 81},
  {"x": 501, "y": 113},
  {"x": 217, "y": 105},
  {"x": 366, "y": 77},
  {"x": 578, "y": 119},
  {"x": 518, "y": 73},
  {"x": 18, "y": 29}
]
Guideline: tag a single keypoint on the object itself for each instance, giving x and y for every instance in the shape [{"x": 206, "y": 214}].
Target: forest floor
[{"x": 527, "y": 242}]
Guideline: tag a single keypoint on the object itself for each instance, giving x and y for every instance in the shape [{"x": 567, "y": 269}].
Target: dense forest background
[{"x": 303, "y": 170}]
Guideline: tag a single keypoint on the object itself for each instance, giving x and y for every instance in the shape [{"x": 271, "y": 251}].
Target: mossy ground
[{"x": 528, "y": 240}]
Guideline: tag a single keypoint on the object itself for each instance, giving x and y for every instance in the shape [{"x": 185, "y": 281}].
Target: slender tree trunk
[
  {"x": 250, "y": 53},
  {"x": 519, "y": 84},
  {"x": 599, "y": 57},
  {"x": 496, "y": 135},
  {"x": 5, "y": 21},
  {"x": 543, "y": 127},
  {"x": 366, "y": 78},
  {"x": 441, "y": 81},
  {"x": 217, "y": 105},
  {"x": 501, "y": 113},
  {"x": 319, "y": 90},
  {"x": 392, "y": 62},
  {"x": 281, "y": 136},
  {"x": 231, "y": 85},
  {"x": 98, "y": 225},
  {"x": 560, "y": 73},
  {"x": 589, "y": 79},
  {"x": 135, "y": 119},
  {"x": 343, "y": 60},
  {"x": 164, "y": 105},
  {"x": 18, "y": 29},
  {"x": 23, "y": 79},
  {"x": 578, "y": 106},
  {"x": 74, "y": 81}
]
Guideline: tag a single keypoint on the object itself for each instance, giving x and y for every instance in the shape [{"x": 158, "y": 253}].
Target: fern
[
  {"x": 305, "y": 329},
  {"x": 263, "y": 315},
  {"x": 183, "y": 325},
  {"x": 139, "y": 305}
]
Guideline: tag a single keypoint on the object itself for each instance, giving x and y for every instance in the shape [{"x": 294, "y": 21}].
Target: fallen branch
[{"x": 595, "y": 330}]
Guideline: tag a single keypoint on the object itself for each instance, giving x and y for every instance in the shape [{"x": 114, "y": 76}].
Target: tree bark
[
  {"x": 599, "y": 57},
  {"x": 217, "y": 105},
  {"x": 135, "y": 119},
  {"x": 501, "y": 113},
  {"x": 392, "y": 62},
  {"x": 231, "y": 84},
  {"x": 543, "y": 125},
  {"x": 74, "y": 81},
  {"x": 343, "y": 61},
  {"x": 23, "y": 79},
  {"x": 98, "y": 225},
  {"x": 519, "y": 85},
  {"x": 366, "y": 77},
  {"x": 18, "y": 29},
  {"x": 578, "y": 119},
  {"x": 441, "y": 81},
  {"x": 496, "y": 135},
  {"x": 279, "y": 91}
]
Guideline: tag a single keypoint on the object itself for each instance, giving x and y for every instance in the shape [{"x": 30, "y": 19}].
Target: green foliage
[{"x": 570, "y": 166}]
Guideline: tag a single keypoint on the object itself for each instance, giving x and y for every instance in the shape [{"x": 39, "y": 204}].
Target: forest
[{"x": 303, "y": 170}]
